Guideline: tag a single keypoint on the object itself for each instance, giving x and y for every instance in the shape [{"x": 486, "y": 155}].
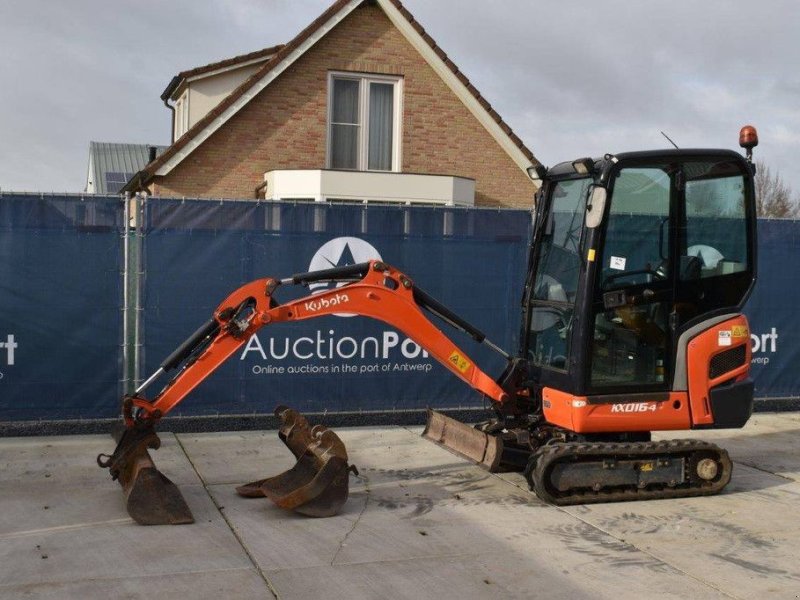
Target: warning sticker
[
  {"x": 724, "y": 338},
  {"x": 459, "y": 362},
  {"x": 617, "y": 263},
  {"x": 739, "y": 331}
]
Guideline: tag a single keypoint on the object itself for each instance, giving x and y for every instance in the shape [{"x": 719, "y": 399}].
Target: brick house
[{"x": 361, "y": 105}]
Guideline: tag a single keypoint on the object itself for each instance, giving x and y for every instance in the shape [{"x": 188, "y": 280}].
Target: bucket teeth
[
  {"x": 318, "y": 484},
  {"x": 151, "y": 498}
]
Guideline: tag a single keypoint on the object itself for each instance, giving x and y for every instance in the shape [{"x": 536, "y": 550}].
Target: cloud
[{"x": 572, "y": 79}]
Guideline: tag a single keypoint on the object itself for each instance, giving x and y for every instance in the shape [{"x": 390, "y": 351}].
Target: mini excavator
[{"x": 639, "y": 266}]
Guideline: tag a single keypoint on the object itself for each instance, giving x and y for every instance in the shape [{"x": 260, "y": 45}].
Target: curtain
[
  {"x": 344, "y": 124},
  {"x": 381, "y": 104}
]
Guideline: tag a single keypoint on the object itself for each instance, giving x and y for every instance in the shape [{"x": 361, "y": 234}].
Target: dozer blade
[
  {"x": 464, "y": 440},
  {"x": 151, "y": 498},
  {"x": 318, "y": 484}
]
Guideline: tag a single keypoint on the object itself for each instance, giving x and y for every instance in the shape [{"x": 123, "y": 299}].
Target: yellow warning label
[
  {"x": 590, "y": 255},
  {"x": 646, "y": 467},
  {"x": 739, "y": 331},
  {"x": 459, "y": 362}
]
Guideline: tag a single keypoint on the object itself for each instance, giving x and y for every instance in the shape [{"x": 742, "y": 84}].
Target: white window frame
[
  {"x": 364, "y": 80},
  {"x": 182, "y": 114}
]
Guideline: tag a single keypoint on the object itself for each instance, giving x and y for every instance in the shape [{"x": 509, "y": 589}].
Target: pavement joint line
[
  {"x": 762, "y": 470},
  {"x": 365, "y": 480},
  {"x": 232, "y": 528},
  {"x": 388, "y": 561},
  {"x": 5, "y": 586},
  {"x": 63, "y": 528}
]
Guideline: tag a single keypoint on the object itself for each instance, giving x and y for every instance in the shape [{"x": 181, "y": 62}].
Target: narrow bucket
[
  {"x": 464, "y": 440},
  {"x": 151, "y": 498},
  {"x": 318, "y": 484}
]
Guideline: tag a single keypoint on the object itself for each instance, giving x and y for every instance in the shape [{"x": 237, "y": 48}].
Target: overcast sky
[{"x": 571, "y": 78}]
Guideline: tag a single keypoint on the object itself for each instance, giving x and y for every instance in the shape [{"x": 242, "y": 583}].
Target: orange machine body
[{"x": 661, "y": 411}]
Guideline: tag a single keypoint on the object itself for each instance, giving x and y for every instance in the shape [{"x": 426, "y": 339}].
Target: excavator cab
[{"x": 633, "y": 256}]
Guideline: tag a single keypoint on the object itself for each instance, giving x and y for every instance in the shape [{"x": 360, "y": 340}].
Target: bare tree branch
[{"x": 773, "y": 195}]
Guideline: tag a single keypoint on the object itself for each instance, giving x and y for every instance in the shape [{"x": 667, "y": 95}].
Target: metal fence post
[
  {"x": 126, "y": 274},
  {"x": 138, "y": 252}
]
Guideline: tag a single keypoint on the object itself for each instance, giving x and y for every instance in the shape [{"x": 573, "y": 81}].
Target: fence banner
[
  {"x": 60, "y": 295},
  {"x": 773, "y": 310},
  {"x": 61, "y": 298},
  {"x": 197, "y": 252}
]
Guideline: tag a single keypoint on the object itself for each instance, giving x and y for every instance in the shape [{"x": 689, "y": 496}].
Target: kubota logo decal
[
  {"x": 323, "y": 303},
  {"x": 632, "y": 407},
  {"x": 340, "y": 252}
]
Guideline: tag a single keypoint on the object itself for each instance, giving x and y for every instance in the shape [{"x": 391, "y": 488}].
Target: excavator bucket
[
  {"x": 151, "y": 498},
  {"x": 317, "y": 485},
  {"x": 464, "y": 440}
]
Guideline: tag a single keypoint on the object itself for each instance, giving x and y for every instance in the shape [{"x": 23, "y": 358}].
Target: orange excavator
[{"x": 639, "y": 266}]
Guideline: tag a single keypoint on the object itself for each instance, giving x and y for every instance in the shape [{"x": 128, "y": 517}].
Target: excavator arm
[
  {"x": 317, "y": 485},
  {"x": 373, "y": 289}
]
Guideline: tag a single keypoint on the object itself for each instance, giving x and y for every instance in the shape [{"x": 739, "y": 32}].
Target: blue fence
[
  {"x": 197, "y": 253},
  {"x": 61, "y": 302}
]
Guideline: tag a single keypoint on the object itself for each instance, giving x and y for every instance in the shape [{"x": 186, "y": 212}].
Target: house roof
[
  {"x": 286, "y": 54},
  {"x": 263, "y": 54},
  {"x": 111, "y": 165}
]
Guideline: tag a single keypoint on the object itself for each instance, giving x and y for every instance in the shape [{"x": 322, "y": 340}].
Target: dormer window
[
  {"x": 182, "y": 115},
  {"x": 364, "y": 122}
]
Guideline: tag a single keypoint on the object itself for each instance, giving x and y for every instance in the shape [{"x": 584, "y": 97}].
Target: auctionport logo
[
  {"x": 7, "y": 351},
  {"x": 764, "y": 345},
  {"x": 10, "y": 345},
  {"x": 329, "y": 352}
]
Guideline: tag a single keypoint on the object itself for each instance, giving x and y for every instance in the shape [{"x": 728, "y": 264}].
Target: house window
[
  {"x": 364, "y": 123},
  {"x": 181, "y": 115}
]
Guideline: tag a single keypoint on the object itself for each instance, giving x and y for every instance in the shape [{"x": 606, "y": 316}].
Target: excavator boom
[{"x": 373, "y": 289}]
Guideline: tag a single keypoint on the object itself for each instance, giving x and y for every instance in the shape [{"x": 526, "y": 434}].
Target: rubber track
[{"x": 547, "y": 457}]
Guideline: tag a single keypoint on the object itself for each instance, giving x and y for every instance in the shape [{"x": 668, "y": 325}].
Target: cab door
[
  {"x": 677, "y": 251},
  {"x": 633, "y": 296}
]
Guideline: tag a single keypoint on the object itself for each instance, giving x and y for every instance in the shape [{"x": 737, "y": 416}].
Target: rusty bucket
[
  {"x": 318, "y": 484},
  {"x": 151, "y": 498}
]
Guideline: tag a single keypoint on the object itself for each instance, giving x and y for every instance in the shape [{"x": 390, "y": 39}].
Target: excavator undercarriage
[{"x": 564, "y": 468}]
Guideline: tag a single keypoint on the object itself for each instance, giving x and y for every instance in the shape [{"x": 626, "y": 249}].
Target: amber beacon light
[{"x": 748, "y": 139}]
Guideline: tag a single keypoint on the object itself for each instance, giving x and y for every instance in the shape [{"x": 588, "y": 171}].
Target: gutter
[
  {"x": 165, "y": 95},
  {"x": 136, "y": 183}
]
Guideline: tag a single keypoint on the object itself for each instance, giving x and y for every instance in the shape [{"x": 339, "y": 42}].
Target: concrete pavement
[{"x": 420, "y": 523}]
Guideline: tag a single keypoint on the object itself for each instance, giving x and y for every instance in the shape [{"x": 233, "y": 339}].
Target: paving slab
[
  {"x": 420, "y": 523},
  {"x": 64, "y": 529},
  {"x": 71, "y": 459},
  {"x": 234, "y": 584}
]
